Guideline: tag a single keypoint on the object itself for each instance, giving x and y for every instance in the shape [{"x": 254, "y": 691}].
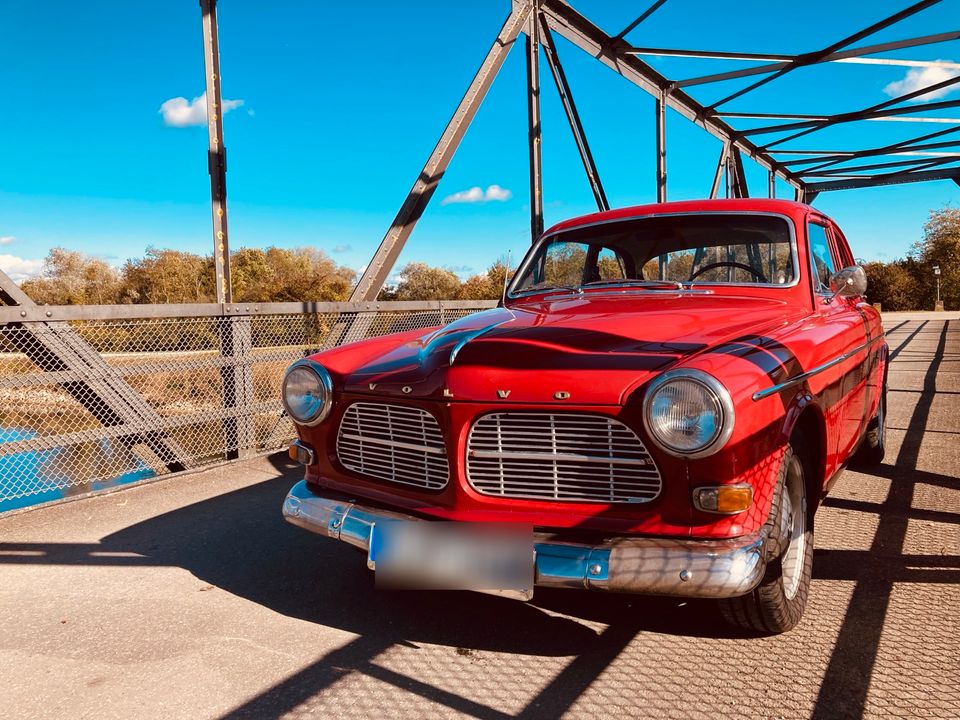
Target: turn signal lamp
[
  {"x": 723, "y": 499},
  {"x": 301, "y": 453}
]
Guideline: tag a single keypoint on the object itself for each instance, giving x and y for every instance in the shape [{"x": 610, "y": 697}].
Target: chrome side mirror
[{"x": 849, "y": 282}]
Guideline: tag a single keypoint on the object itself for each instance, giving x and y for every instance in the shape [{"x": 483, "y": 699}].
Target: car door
[
  {"x": 863, "y": 395},
  {"x": 844, "y": 332}
]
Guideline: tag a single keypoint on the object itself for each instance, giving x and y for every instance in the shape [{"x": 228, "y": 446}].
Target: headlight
[
  {"x": 307, "y": 392},
  {"x": 688, "y": 413}
]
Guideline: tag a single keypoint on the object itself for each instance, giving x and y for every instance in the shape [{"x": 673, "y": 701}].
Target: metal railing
[{"x": 96, "y": 396}]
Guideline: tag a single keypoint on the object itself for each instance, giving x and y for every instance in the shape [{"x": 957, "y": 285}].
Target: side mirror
[{"x": 849, "y": 282}]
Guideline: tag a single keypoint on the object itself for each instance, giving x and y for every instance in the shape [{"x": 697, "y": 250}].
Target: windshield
[{"x": 664, "y": 251}]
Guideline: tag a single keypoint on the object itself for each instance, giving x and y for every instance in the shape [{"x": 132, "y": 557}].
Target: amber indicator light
[{"x": 725, "y": 499}]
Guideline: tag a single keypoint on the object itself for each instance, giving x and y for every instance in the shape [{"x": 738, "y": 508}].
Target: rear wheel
[{"x": 777, "y": 603}]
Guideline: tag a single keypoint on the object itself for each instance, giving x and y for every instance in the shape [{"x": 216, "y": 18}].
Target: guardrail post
[{"x": 236, "y": 372}]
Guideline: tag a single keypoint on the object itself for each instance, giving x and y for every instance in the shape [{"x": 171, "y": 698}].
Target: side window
[
  {"x": 609, "y": 266},
  {"x": 563, "y": 264},
  {"x": 821, "y": 258}
]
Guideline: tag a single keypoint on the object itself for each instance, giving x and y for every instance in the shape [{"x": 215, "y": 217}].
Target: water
[{"x": 32, "y": 477}]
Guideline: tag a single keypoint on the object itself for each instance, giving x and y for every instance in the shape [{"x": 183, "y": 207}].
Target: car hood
[{"x": 585, "y": 349}]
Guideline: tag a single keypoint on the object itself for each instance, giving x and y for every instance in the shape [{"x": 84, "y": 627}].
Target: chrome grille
[
  {"x": 397, "y": 443},
  {"x": 560, "y": 456}
]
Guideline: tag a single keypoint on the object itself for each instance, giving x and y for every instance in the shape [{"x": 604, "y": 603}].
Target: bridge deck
[{"x": 192, "y": 598}]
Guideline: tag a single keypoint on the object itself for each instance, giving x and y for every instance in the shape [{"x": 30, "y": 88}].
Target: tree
[
  {"x": 940, "y": 246},
  {"x": 72, "y": 278},
  {"x": 300, "y": 274},
  {"x": 487, "y": 285},
  {"x": 169, "y": 276},
  {"x": 891, "y": 284},
  {"x": 419, "y": 281}
]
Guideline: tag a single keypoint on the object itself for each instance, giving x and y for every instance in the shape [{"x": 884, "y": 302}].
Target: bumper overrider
[{"x": 643, "y": 565}]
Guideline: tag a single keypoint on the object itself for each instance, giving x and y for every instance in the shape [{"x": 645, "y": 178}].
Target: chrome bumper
[{"x": 644, "y": 565}]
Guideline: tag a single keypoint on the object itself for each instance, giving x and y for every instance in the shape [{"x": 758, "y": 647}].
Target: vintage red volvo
[{"x": 665, "y": 395}]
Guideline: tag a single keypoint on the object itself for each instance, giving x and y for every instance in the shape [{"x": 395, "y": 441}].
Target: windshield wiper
[{"x": 636, "y": 281}]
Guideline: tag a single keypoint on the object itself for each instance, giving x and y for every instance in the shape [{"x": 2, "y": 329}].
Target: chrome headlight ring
[
  {"x": 307, "y": 392},
  {"x": 716, "y": 404}
]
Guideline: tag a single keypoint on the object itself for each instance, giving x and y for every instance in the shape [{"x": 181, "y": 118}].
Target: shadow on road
[{"x": 239, "y": 542}]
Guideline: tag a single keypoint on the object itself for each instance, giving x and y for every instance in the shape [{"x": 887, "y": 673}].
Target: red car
[{"x": 664, "y": 397}]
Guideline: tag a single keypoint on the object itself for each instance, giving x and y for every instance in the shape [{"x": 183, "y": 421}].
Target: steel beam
[
  {"x": 533, "y": 119},
  {"x": 718, "y": 173},
  {"x": 818, "y": 56},
  {"x": 877, "y": 111},
  {"x": 783, "y": 61},
  {"x": 875, "y": 166},
  {"x": 771, "y": 185},
  {"x": 570, "y": 108},
  {"x": 802, "y": 116},
  {"x": 57, "y": 313},
  {"x": 575, "y": 28},
  {"x": 423, "y": 189},
  {"x": 887, "y": 179},
  {"x": 216, "y": 153},
  {"x": 661, "y": 133},
  {"x": 731, "y": 170},
  {"x": 646, "y": 13},
  {"x": 740, "y": 188},
  {"x": 898, "y": 148}
]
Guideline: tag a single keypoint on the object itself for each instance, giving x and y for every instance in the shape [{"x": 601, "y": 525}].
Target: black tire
[
  {"x": 874, "y": 445},
  {"x": 777, "y": 603}
]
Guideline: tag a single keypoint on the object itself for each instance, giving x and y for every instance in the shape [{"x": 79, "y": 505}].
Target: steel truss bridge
[{"x": 92, "y": 396}]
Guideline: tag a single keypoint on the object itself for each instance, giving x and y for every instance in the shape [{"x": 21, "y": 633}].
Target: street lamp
[{"x": 936, "y": 272}]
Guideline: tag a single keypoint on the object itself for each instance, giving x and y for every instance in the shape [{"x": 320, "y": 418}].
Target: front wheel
[
  {"x": 777, "y": 603},
  {"x": 874, "y": 444}
]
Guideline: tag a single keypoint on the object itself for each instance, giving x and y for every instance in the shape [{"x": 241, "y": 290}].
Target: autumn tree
[
  {"x": 72, "y": 278},
  {"x": 168, "y": 276},
  {"x": 940, "y": 246},
  {"x": 487, "y": 285},
  {"x": 279, "y": 275},
  {"x": 891, "y": 284},
  {"x": 419, "y": 281}
]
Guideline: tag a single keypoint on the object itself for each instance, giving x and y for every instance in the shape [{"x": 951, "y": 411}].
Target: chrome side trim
[
  {"x": 797, "y": 379},
  {"x": 646, "y": 565}
]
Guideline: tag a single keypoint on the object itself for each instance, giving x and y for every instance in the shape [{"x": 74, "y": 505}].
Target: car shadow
[{"x": 239, "y": 542}]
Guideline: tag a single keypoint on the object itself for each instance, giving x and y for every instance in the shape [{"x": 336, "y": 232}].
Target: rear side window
[{"x": 821, "y": 257}]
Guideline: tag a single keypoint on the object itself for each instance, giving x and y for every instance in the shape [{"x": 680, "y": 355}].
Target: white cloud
[
  {"x": 342, "y": 248},
  {"x": 477, "y": 194},
  {"x": 179, "y": 112},
  {"x": 19, "y": 268},
  {"x": 919, "y": 78},
  {"x": 7, "y": 239},
  {"x": 495, "y": 192}
]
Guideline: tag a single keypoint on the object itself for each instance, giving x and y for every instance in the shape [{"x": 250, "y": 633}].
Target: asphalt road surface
[{"x": 191, "y": 598}]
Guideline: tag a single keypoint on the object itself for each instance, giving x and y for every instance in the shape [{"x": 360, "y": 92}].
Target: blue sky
[{"x": 342, "y": 103}]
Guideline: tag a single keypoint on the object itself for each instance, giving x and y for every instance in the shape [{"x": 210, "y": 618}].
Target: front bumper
[{"x": 643, "y": 565}]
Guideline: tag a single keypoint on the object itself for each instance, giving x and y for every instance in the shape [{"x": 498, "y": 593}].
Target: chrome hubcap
[{"x": 793, "y": 527}]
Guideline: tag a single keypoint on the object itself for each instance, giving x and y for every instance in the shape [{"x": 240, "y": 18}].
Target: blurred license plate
[{"x": 483, "y": 557}]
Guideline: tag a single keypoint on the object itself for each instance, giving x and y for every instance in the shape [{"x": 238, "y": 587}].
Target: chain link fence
[{"x": 88, "y": 403}]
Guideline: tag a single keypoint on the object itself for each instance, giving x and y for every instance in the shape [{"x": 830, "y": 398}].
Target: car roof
[{"x": 784, "y": 207}]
